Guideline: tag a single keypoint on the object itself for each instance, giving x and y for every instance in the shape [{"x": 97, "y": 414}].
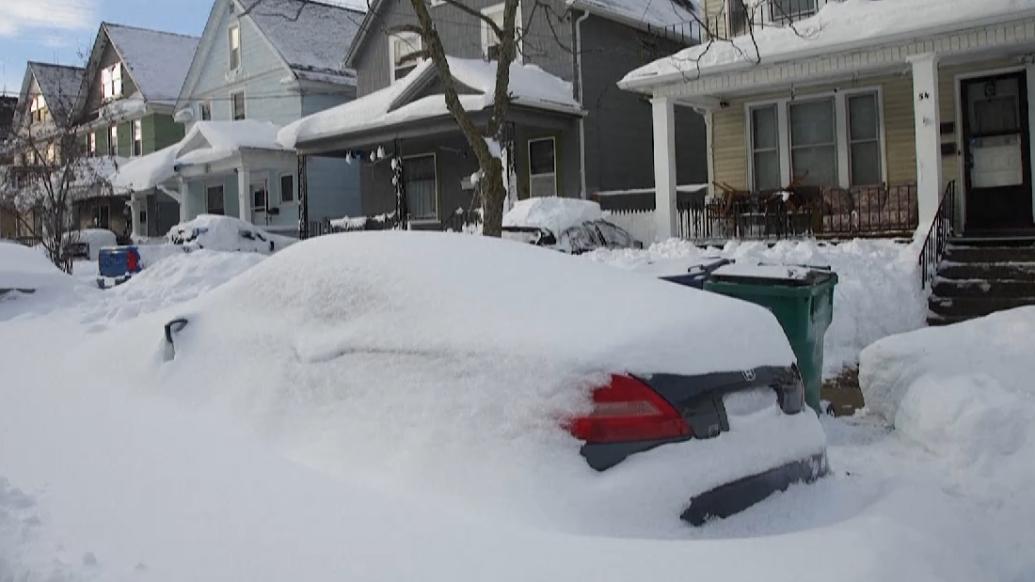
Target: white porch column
[
  {"x": 927, "y": 119},
  {"x": 135, "y": 205},
  {"x": 186, "y": 212},
  {"x": 663, "y": 110},
  {"x": 244, "y": 195}
]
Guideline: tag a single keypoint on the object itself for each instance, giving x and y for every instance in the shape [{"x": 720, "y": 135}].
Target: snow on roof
[
  {"x": 157, "y": 61},
  {"x": 59, "y": 85},
  {"x": 206, "y": 142},
  {"x": 837, "y": 26},
  {"x": 672, "y": 15},
  {"x": 313, "y": 37},
  {"x": 529, "y": 86}
]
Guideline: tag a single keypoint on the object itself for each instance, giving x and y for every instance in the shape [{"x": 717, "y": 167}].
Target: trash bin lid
[{"x": 786, "y": 275}]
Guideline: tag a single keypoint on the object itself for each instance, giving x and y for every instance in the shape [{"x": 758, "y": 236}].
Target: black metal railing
[{"x": 942, "y": 228}]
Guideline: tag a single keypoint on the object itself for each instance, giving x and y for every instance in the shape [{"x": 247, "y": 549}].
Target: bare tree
[{"x": 52, "y": 165}]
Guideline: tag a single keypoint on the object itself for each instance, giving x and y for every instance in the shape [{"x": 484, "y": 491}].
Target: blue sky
[{"x": 62, "y": 31}]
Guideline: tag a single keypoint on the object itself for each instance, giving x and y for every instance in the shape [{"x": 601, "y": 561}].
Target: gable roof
[
  {"x": 657, "y": 16},
  {"x": 312, "y": 37},
  {"x": 59, "y": 85},
  {"x": 404, "y": 102}
]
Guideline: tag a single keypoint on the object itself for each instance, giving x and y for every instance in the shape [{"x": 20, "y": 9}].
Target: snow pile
[
  {"x": 24, "y": 268},
  {"x": 878, "y": 292},
  {"x": 555, "y": 214},
  {"x": 837, "y": 26},
  {"x": 225, "y": 233},
  {"x": 529, "y": 86},
  {"x": 95, "y": 239}
]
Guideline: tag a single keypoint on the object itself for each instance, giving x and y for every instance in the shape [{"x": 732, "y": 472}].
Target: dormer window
[
  {"x": 235, "y": 47},
  {"x": 38, "y": 109},
  {"x": 403, "y": 49},
  {"x": 111, "y": 82}
]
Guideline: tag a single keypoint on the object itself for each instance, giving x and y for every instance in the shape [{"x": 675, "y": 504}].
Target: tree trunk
[{"x": 493, "y": 195}]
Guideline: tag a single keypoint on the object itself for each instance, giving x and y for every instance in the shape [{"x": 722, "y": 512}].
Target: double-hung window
[
  {"x": 287, "y": 188},
  {"x": 813, "y": 142},
  {"x": 111, "y": 82},
  {"x": 421, "y": 183},
  {"x": 542, "y": 166},
  {"x": 237, "y": 112},
  {"x": 403, "y": 53},
  {"x": 92, "y": 145},
  {"x": 113, "y": 140},
  {"x": 235, "y": 47},
  {"x": 206, "y": 110},
  {"x": 138, "y": 138},
  {"x": 826, "y": 140},
  {"x": 490, "y": 42}
]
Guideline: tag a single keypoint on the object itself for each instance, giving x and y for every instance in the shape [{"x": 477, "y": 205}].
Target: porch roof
[
  {"x": 403, "y": 102},
  {"x": 207, "y": 142},
  {"x": 844, "y": 38}
]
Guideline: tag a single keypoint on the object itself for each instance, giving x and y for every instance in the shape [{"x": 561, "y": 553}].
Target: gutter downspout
[{"x": 582, "y": 104}]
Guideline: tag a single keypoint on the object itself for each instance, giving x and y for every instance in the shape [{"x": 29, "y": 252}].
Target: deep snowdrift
[
  {"x": 878, "y": 292},
  {"x": 24, "y": 268}
]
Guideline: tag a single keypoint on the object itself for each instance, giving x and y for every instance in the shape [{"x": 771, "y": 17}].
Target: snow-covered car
[
  {"x": 570, "y": 225},
  {"x": 26, "y": 270},
  {"x": 441, "y": 360},
  {"x": 87, "y": 243},
  {"x": 225, "y": 233}
]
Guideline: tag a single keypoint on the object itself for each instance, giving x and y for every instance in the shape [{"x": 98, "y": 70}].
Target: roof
[
  {"x": 60, "y": 86},
  {"x": 206, "y": 142},
  {"x": 312, "y": 37},
  {"x": 838, "y": 26},
  {"x": 674, "y": 15},
  {"x": 157, "y": 61},
  {"x": 530, "y": 86}
]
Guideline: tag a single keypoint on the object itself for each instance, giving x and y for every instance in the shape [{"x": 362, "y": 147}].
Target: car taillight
[
  {"x": 628, "y": 410},
  {"x": 132, "y": 261}
]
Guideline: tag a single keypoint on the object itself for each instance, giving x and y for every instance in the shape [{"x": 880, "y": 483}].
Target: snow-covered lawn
[
  {"x": 102, "y": 478},
  {"x": 877, "y": 295}
]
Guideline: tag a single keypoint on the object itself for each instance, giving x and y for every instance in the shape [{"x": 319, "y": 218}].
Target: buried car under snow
[
  {"x": 569, "y": 225},
  {"x": 604, "y": 402}
]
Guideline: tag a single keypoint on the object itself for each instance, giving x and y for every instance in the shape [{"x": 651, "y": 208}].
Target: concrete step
[
  {"x": 974, "y": 306},
  {"x": 1024, "y": 271},
  {"x": 993, "y": 241},
  {"x": 968, "y": 254},
  {"x": 1002, "y": 288}
]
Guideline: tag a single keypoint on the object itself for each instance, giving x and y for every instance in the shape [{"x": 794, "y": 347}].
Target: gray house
[
  {"x": 259, "y": 65},
  {"x": 570, "y": 131}
]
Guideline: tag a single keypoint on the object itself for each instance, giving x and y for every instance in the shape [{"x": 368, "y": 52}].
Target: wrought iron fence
[{"x": 942, "y": 228}]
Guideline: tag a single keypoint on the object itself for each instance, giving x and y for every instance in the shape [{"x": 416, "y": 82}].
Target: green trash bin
[{"x": 801, "y": 298}]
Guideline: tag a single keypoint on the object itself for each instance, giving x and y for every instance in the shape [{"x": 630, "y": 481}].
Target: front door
[
  {"x": 996, "y": 154},
  {"x": 260, "y": 202}
]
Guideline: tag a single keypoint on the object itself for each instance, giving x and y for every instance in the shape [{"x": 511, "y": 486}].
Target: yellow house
[{"x": 923, "y": 97}]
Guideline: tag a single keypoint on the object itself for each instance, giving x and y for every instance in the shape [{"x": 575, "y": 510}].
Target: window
[
  {"x": 788, "y": 11},
  {"x": 235, "y": 47},
  {"x": 111, "y": 82},
  {"x": 52, "y": 154},
  {"x": 402, "y": 47},
  {"x": 237, "y": 106},
  {"x": 101, "y": 216},
  {"x": 287, "y": 188},
  {"x": 260, "y": 196},
  {"x": 736, "y": 15},
  {"x": 92, "y": 144},
  {"x": 205, "y": 109},
  {"x": 813, "y": 142},
  {"x": 214, "y": 195},
  {"x": 113, "y": 140},
  {"x": 38, "y": 109},
  {"x": 421, "y": 182},
  {"x": 142, "y": 216},
  {"x": 765, "y": 148},
  {"x": 864, "y": 157},
  {"x": 490, "y": 42},
  {"x": 542, "y": 166},
  {"x": 138, "y": 138}
]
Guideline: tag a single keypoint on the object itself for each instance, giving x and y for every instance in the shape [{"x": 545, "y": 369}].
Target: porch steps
[{"x": 979, "y": 276}]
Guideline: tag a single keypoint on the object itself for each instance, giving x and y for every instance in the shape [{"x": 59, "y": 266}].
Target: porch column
[
  {"x": 244, "y": 198},
  {"x": 185, "y": 205},
  {"x": 927, "y": 120},
  {"x": 663, "y": 110},
  {"x": 135, "y": 204}
]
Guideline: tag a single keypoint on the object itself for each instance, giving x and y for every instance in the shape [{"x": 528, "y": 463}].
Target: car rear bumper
[{"x": 736, "y": 496}]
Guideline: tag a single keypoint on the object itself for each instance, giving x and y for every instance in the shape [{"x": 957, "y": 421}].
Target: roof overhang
[{"x": 1001, "y": 36}]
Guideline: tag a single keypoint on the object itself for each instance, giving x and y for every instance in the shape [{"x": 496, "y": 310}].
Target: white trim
[
  {"x": 294, "y": 188},
  {"x": 391, "y": 52},
  {"x": 230, "y": 47},
  {"x": 487, "y": 34},
  {"x": 244, "y": 104},
  {"x": 438, "y": 205},
  {"x": 528, "y": 149},
  {"x": 839, "y": 97}
]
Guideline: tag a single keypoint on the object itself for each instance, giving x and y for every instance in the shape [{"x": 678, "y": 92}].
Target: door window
[
  {"x": 420, "y": 180},
  {"x": 214, "y": 197},
  {"x": 260, "y": 196},
  {"x": 995, "y": 140}
]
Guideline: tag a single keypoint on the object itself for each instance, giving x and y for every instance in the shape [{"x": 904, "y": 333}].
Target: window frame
[
  {"x": 138, "y": 138},
  {"x": 488, "y": 36},
  {"x": 434, "y": 161},
  {"x": 528, "y": 151},
  {"x": 113, "y": 140},
  {"x": 111, "y": 83},
  {"x": 840, "y": 97},
  {"x": 205, "y": 110},
  {"x": 222, "y": 199},
  {"x": 265, "y": 189},
  {"x": 294, "y": 197},
  {"x": 835, "y": 134},
  {"x": 91, "y": 144},
  {"x": 752, "y": 150},
  {"x": 878, "y": 136},
  {"x": 233, "y": 106},
  {"x": 392, "y": 68},
  {"x": 233, "y": 53}
]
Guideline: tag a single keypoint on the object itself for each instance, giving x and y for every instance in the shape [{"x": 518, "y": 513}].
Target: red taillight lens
[
  {"x": 132, "y": 261},
  {"x": 628, "y": 410}
]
